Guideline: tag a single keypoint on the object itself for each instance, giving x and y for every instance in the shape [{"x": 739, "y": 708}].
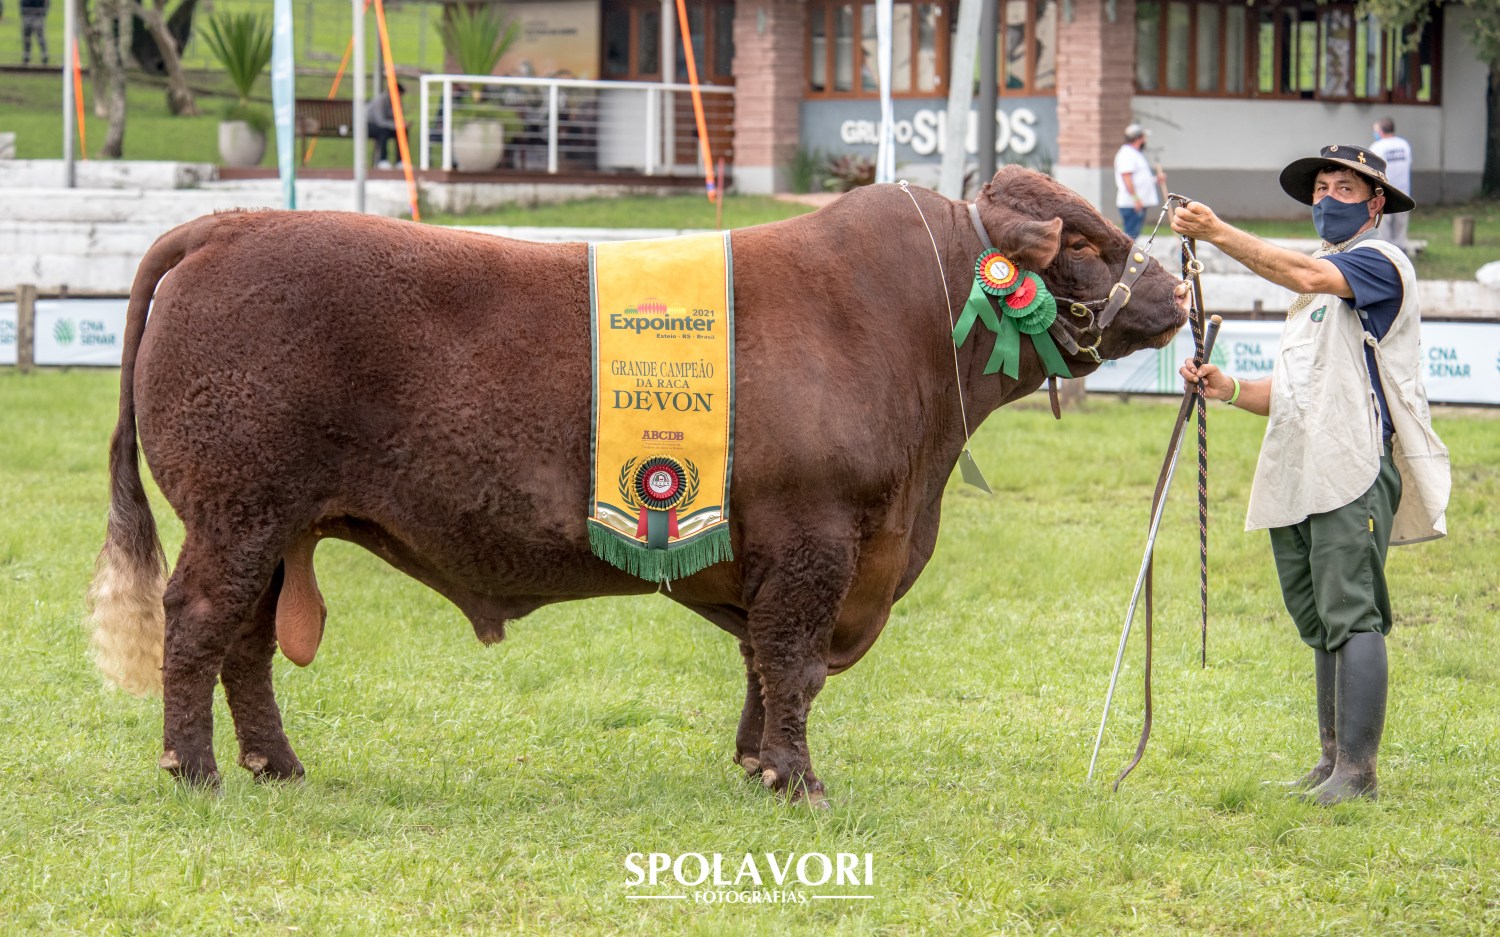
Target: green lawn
[
  {"x": 677, "y": 211},
  {"x": 321, "y": 29},
  {"x": 459, "y": 789},
  {"x": 31, "y": 106}
]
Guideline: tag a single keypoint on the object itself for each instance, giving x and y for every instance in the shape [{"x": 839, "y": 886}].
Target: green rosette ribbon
[{"x": 1028, "y": 307}]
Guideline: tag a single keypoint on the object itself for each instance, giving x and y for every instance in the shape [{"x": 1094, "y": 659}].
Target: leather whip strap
[{"x": 1203, "y": 340}]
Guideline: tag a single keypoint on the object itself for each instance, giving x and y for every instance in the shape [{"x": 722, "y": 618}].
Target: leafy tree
[{"x": 1485, "y": 35}]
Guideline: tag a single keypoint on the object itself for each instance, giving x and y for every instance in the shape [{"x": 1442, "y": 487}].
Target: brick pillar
[
  {"x": 1095, "y": 86},
  {"x": 769, "y": 36}
]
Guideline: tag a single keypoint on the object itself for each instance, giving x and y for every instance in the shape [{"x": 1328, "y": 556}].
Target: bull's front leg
[{"x": 791, "y": 625}]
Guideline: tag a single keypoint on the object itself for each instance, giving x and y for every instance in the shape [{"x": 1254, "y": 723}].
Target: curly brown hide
[{"x": 425, "y": 393}]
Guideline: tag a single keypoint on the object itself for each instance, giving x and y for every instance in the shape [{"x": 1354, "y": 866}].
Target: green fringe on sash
[{"x": 675, "y": 562}]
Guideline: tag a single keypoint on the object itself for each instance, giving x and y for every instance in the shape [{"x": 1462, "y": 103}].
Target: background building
[{"x": 1231, "y": 92}]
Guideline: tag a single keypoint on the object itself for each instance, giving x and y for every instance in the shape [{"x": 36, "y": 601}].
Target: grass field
[
  {"x": 458, "y": 789},
  {"x": 322, "y": 30}
]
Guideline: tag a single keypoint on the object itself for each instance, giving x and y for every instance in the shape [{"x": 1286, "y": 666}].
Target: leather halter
[{"x": 1134, "y": 268}]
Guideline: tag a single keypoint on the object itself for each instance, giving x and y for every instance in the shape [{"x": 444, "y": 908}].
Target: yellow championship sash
[{"x": 663, "y": 409}]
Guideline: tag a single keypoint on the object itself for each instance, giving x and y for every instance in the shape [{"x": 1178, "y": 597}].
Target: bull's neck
[{"x": 982, "y": 393}]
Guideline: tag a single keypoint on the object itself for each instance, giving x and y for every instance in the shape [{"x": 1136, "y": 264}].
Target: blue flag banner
[{"x": 283, "y": 99}]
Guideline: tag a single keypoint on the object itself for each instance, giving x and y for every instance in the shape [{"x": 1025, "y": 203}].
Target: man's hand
[
  {"x": 1216, "y": 384},
  {"x": 1197, "y": 220}
]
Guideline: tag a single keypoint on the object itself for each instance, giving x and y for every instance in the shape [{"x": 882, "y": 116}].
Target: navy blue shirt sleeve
[
  {"x": 1378, "y": 292},
  {"x": 1376, "y": 284}
]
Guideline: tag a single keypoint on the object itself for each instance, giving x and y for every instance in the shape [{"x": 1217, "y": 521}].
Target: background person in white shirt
[
  {"x": 1135, "y": 181},
  {"x": 1396, "y": 152}
]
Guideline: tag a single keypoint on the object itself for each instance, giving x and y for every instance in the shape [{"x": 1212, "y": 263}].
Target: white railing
[{"x": 629, "y": 126}]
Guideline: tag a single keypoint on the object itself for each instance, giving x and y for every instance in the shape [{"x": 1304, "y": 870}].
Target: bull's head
[{"x": 1045, "y": 227}]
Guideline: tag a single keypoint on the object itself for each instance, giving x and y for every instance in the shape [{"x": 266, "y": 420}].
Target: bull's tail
[{"x": 125, "y": 598}]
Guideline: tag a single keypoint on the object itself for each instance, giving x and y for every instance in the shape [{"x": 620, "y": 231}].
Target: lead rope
[
  {"x": 1190, "y": 264},
  {"x": 1192, "y": 270},
  {"x": 958, "y": 381}
]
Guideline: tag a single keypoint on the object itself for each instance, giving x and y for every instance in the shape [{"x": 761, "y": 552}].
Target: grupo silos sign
[{"x": 1025, "y": 129}]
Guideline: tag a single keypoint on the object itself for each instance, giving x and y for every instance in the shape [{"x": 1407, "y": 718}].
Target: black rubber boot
[
  {"x": 1359, "y": 719},
  {"x": 1325, "y": 668}
]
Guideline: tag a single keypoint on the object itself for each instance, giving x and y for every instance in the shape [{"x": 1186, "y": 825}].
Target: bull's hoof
[
  {"x": 808, "y": 790},
  {"x": 269, "y": 770},
  {"x": 198, "y": 774},
  {"x": 751, "y": 764}
]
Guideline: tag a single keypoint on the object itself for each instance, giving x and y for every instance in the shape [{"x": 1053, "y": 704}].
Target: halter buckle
[
  {"x": 1079, "y": 310},
  {"x": 1119, "y": 286}
]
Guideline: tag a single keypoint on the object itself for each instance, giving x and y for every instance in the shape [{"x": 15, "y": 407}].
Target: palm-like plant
[
  {"x": 477, "y": 38},
  {"x": 242, "y": 44}
]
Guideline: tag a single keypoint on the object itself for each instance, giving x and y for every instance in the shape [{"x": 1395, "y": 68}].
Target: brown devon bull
[{"x": 425, "y": 393}]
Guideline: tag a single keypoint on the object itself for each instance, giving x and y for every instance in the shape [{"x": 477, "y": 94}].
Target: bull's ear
[{"x": 1032, "y": 244}]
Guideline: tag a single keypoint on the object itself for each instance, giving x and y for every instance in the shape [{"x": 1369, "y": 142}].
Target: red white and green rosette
[
  {"x": 996, "y": 274},
  {"x": 1027, "y": 308},
  {"x": 1031, "y": 305}
]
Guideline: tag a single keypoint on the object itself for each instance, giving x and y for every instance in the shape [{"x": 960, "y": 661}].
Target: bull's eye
[{"x": 1079, "y": 246}]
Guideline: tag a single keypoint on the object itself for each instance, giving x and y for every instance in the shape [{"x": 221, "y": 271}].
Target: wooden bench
[{"x": 322, "y": 117}]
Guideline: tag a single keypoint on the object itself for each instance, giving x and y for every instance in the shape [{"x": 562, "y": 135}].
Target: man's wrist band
[{"x": 1236, "y": 395}]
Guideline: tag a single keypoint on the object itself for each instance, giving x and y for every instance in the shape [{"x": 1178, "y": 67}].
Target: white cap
[{"x": 1135, "y": 132}]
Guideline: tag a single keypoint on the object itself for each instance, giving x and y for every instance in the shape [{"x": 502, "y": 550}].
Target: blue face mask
[{"x": 1338, "y": 221}]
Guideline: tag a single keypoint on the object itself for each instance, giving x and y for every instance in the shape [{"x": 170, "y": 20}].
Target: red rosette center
[{"x": 1023, "y": 294}]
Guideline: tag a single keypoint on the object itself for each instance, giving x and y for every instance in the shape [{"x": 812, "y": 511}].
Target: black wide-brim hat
[{"x": 1298, "y": 178}]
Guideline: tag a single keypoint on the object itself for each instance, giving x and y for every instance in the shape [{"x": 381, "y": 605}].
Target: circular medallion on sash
[{"x": 659, "y": 483}]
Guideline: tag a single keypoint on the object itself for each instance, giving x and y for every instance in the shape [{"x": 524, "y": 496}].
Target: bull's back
[{"x": 351, "y": 359}]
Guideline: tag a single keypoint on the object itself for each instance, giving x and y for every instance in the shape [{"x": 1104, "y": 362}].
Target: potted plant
[
  {"x": 242, "y": 44},
  {"x": 476, "y": 38}
]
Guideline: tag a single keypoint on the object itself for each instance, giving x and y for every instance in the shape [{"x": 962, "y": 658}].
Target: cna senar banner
[
  {"x": 69, "y": 332},
  {"x": 1460, "y": 361}
]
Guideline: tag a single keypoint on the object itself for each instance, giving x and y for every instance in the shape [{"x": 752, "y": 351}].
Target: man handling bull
[{"x": 1349, "y": 463}]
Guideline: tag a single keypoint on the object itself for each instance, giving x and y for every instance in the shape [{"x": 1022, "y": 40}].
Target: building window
[
  {"x": 841, "y": 48},
  {"x": 632, "y": 40},
  {"x": 1322, "y": 51}
]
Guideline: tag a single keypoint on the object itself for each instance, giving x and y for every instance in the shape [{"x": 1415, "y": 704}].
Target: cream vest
[{"x": 1323, "y": 439}]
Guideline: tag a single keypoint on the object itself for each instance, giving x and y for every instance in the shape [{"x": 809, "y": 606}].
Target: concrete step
[
  {"x": 173, "y": 207},
  {"x": 1439, "y": 299},
  {"x": 1166, "y": 250},
  {"x": 105, "y": 174}
]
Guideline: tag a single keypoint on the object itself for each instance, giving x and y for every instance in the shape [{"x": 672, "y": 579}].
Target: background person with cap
[
  {"x": 1349, "y": 463},
  {"x": 1136, "y": 181},
  {"x": 1397, "y": 155}
]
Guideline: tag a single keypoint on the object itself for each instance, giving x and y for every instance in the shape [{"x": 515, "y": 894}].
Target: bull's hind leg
[
  {"x": 212, "y": 593},
  {"x": 264, "y": 749},
  {"x": 752, "y": 717},
  {"x": 791, "y": 626}
]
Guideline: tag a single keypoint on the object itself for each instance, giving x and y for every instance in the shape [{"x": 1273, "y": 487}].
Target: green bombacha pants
[{"x": 1332, "y": 565}]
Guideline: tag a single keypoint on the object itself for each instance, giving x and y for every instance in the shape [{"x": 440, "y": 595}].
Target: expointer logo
[{"x": 749, "y": 878}]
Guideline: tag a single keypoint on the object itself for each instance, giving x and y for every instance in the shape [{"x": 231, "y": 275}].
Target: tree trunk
[
  {"x": 179, "y": 95},
  {"x": 1489, "y": 183},
  {"x": 94, "y": 33},
  {"x": 114, "y": 18}
]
